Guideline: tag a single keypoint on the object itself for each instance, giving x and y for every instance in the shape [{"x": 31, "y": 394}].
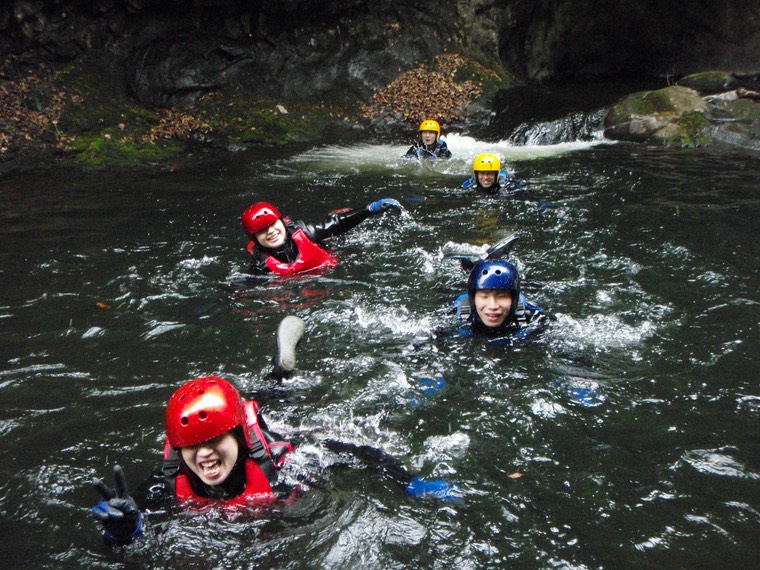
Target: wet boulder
[
  {"x": 681, "y": 116},
  {"x": 708, "y": 81},
  {"x": 670, "y": 115},
  {"x": 736, "y": 118}
]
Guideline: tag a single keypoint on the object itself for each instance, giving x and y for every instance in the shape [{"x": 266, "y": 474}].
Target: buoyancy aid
[
  {"x": 310, "y": 256},
  {"x": 264, "y": 457},
  {"x": 258, "y": 490}
]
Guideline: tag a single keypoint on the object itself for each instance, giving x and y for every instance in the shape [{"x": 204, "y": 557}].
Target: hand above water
[
  {"x": 385, "y": 204},
  {"x": 117, "y": 511}
]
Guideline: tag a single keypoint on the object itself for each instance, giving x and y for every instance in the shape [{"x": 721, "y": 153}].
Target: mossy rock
[
  {"x": 744, "y": 109},
  {"x": 670, "y": 100},
  {"x": 111, "y": 149},
  {"x": 674, "y": 100},
  {"x": 688, "y": 131},
  {"x": 490, "y": 79},
  {"x": 264, "y": 120},
  {"x": 744, "y": 130},
  {"x": 640, "y": 115},
  {"x": 93, "y": 105},
  {"x": 708, "y": 81}
]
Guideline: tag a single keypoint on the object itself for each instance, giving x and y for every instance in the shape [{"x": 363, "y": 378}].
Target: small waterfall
[{"x": 578, "y": 126}]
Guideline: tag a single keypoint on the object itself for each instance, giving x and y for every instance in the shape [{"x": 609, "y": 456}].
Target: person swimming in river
[
  {"x": 220, "y": 454},
  {"x": 286, "y": 247},
  {"x": 489, "y": 178},
  {"x": 429, "y": 144},
  {"x": 494, "y": 306}
]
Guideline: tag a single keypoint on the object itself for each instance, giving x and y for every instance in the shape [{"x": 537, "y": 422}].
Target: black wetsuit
[{"x": 438, "y": 149}]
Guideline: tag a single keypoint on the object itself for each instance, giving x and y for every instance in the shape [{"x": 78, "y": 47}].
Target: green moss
[
  {"x": 689, "y": 131},
  {"x": 265, "y": 120},
  {"x": 675, "y": 100},
  {"x": 667, "y": 101},
  {"x": 674, "y": 115},
  {"x": 109, "y": 149},
  {"x": 93, "y": 106},
  {"x": 639, "y": 103},
  {"x": 745, "y": 109},
  {"x": 708, "y": 80},
  {"x": 491, "y": 79}
]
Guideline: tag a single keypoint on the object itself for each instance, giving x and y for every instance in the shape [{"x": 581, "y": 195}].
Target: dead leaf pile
[
  {"x": 30, "y": 106},
  {"x": 426, "y": 92},
  {"x": 176, "y": 124}
]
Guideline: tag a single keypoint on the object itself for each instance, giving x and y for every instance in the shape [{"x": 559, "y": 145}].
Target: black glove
[{"x": 117, "y": 511}]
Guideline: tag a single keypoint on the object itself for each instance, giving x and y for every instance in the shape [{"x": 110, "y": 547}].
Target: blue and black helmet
[
  {"x": 494, "y": 274},
  {"x": 489, "y": 275}
]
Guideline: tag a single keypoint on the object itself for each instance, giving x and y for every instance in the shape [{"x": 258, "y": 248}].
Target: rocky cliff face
[
  {"x": 165, "y": 51},
  {"x": 80, "y": 67},
  {"x": 584, "y": 39}
]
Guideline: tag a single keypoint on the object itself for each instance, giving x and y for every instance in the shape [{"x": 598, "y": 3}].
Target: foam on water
[{"x": 368, "y": 157}]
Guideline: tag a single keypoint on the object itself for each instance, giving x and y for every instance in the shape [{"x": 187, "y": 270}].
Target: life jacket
[
  {"x": 266, "y": 455},
  {"x": 311, "y": 256}
]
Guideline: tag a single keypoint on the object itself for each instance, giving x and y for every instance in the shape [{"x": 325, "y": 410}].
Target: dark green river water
[{"x": 119, "y": 286}]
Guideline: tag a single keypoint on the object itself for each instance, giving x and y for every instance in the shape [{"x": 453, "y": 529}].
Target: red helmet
[
  {"x": 260, "y": 216},
  {"x": 203, "y": 409}
]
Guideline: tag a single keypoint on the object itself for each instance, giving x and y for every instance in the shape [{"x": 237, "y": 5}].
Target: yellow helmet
[
  {"x": 431, "y": 125},
  {"x": 486, "y": 162}
]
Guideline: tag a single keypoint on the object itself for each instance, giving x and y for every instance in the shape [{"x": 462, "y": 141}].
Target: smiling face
[
  {"x": 272, "y": 236},
  {"x": 493, "y": 306},
  {"x": 486, "y": 178},
  {"x": 428, "y": 137},
  {"x": 213, "y": 460}
]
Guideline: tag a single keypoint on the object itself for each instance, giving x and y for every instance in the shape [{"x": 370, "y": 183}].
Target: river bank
[{"x": 140, "y": 81}]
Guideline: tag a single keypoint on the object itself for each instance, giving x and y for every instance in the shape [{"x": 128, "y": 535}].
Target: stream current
[{"x": 624, "y": 435}]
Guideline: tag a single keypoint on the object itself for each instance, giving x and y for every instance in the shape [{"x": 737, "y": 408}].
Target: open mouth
[{"x": 211, "y": 468}]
